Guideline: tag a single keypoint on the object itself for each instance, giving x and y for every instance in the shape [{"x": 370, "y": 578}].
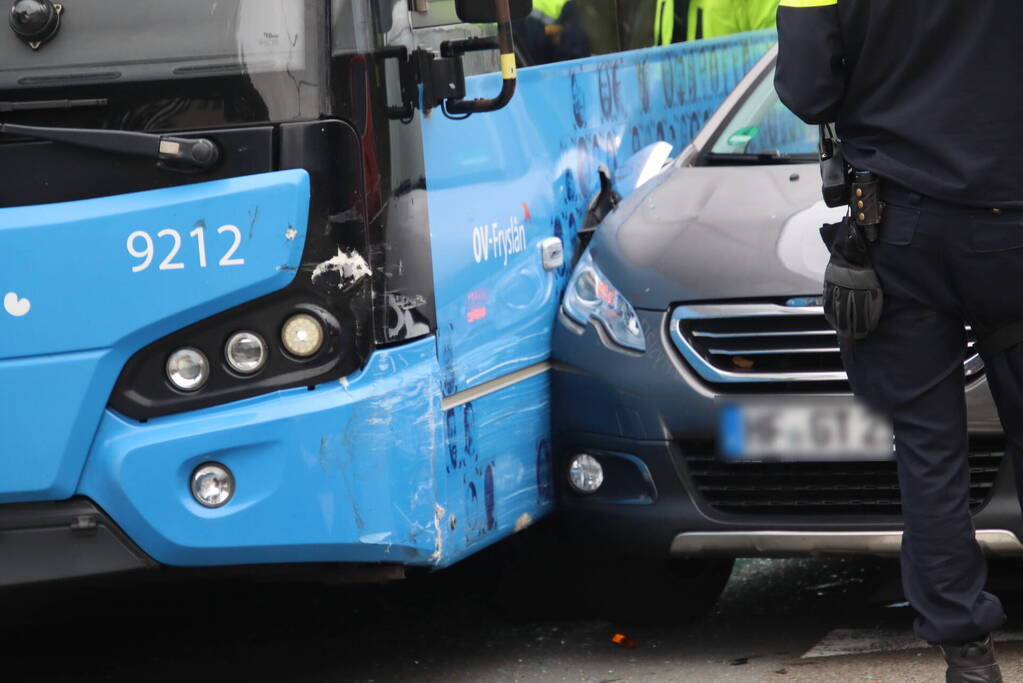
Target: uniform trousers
[{"x": 942, "y": 266}]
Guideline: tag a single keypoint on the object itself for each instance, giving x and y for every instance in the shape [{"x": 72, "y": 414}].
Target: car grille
[
  {"x": 768, "y": 346},
  {"x": 820, "y": 488}
]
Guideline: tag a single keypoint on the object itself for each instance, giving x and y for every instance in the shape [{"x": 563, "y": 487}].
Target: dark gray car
[{"x": 702, "y": 412}]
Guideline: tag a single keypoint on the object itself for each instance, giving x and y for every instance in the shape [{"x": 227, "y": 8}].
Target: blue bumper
[{"x": 343, "y": 472}]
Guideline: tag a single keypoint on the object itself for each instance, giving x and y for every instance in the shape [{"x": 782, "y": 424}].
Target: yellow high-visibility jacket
[{"x": 712, "y": 18}]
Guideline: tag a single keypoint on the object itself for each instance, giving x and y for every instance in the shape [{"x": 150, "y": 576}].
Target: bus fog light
[
  {"x": 188, "y": 369},
  {"x": 212, "y": 485},
  {"x": 245, "y": 352},
  {"x": 302, "y": 335},
  {"x": 585, "y": 473}
]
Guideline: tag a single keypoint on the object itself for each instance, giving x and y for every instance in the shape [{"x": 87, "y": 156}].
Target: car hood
[{"x": 714, "y": 233}]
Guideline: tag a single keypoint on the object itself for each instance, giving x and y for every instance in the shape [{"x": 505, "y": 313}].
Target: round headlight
[
  {"x": 302, "y": 335},
  {"x": 188, "y": 369},
  {"x": 585, "y": 473},
  {"x": 212, "y": 484},
  {"x": 245, "y": 352}
]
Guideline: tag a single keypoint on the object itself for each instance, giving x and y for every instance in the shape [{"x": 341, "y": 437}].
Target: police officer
[{"x": 925, "y": 96}]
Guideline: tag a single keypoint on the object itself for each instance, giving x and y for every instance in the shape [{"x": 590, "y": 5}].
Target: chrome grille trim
[
  {"x": 765, "y": 352},
  {"x": 736, "y": 335},
  {"x": 764, "y": 343}
]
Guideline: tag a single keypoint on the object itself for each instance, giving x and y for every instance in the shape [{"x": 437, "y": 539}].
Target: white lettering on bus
[{"x": 492, "y": 241}]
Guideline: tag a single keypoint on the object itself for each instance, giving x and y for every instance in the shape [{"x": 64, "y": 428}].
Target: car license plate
[{"x": 822, "y": 430}]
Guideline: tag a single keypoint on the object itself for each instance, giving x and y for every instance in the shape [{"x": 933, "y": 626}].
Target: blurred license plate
[{"x": 812, "y": 431}]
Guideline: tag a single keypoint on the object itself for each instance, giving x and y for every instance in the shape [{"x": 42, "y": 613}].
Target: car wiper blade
[
  {"x": 38, "y": 105},
  {"x": 723, "y": 158},
  {"x": 196, "y": 153}
]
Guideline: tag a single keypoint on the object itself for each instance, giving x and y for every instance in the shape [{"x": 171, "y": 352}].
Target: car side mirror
[{"x": 484, "y": 12}]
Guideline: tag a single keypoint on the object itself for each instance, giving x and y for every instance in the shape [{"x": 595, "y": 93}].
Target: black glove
[{"x": 852, "y": 291}]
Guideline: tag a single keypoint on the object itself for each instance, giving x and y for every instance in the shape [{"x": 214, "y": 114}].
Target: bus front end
[{"x": 217, "y": 312}]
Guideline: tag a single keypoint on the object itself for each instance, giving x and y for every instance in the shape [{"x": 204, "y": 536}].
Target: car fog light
[
  {"x": 212, "y": 485},
  {"x": 188, "y": 369},
  {"x": 245, "y": 352},
  {"x": 302, "y": 335},
  {"x": 585, "y": 473}
]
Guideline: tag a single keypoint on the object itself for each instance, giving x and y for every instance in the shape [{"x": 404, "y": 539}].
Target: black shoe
[{"x": 972, "y": 662}]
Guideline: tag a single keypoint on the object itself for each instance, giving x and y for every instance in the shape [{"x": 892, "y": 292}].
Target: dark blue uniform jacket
[{"x": 928, "y": 93}]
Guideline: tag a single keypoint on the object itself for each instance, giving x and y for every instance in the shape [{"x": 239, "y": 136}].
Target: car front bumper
[{"x": 652, "y": 423}]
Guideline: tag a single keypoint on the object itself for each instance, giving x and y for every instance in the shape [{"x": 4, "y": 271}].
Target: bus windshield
[{"x": 110, "y": 43}]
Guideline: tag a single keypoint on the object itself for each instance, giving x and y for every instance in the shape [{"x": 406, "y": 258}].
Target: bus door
[{"x": 490, "y": 290}]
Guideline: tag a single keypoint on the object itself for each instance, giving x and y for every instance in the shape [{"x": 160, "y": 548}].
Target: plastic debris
[{"x": 622, "y": 640}]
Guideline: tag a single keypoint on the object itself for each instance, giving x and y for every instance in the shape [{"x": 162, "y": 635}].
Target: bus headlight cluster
[{"x": 246, "y": 352}]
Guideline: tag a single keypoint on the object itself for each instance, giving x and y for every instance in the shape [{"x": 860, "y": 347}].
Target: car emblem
[{"x": 805, "y": 301}]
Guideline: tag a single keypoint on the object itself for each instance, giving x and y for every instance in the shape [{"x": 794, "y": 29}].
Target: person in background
[
  {"x": 553, "y": 32},
  {"x": 713, "y": 18}
]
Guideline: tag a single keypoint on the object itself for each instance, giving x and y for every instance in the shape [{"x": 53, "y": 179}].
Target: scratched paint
[
  {"x": 340, "y": 473},
  {"x": 503, "y": 471},
  {"x": 350, "y": 267}
]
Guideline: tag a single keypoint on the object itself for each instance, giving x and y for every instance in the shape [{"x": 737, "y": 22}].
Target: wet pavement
[{"x": 820, "y": 620}]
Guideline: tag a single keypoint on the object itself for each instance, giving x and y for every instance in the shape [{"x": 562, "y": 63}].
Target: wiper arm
[{"x": 197, "y": 153}]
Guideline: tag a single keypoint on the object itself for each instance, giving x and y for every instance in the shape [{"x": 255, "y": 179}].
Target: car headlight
[{"x": 591, "y": 296}]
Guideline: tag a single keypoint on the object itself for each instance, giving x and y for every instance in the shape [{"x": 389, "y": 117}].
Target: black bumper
[
  {"x": 656, "y": 505},
  {"x": 62, "y": 540},
  {"x": 653, "y": 425}
]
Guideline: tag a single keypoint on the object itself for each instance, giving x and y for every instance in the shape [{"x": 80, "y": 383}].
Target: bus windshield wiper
[
  {"x": 195, "y": 154},
  {"x": 38, "y": 105}
]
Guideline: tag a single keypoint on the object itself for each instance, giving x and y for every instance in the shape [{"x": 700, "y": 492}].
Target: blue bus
[{"x": 279, "y": 278}]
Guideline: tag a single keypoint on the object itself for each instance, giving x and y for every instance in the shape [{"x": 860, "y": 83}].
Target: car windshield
[{"x": 762, "y": 127}]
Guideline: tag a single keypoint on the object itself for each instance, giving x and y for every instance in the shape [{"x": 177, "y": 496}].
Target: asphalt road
[{"x": 814, "y": 620}]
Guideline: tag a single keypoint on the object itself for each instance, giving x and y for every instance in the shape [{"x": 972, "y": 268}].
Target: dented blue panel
[
  {"x": 341, "y": 473},
  {"x": 499, "y": 183},
  {"x": 369, "y": 469},
  {"x": 85, "y": 284},
  {"x": 497, "y": 466}
]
